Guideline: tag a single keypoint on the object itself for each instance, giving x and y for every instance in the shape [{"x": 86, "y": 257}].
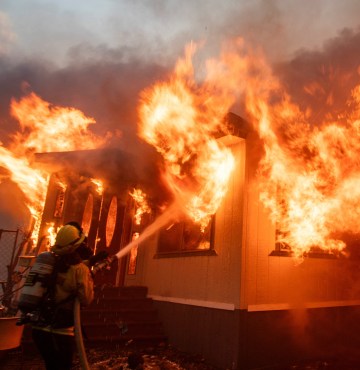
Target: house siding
[{"x": 210, "y": 333}]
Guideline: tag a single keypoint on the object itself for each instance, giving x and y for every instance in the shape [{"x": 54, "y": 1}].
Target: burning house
[
  {"x": 248, "y": 245},
  {"x": 232, "y": 291}
]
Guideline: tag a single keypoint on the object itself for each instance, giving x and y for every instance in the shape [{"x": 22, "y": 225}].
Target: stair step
[
  {"x": 121, "y": 302},
  {"x": 128, "y": 291},
  {"x": 140, "y": 314},
  {"x": 120, "y": 315}
]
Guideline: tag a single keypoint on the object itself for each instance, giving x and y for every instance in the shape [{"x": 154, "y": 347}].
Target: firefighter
[{"x": 53, "y": 332}]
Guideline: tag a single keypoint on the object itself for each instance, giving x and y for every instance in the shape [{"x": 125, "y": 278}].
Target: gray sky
[{"x": 158, "y": 29}]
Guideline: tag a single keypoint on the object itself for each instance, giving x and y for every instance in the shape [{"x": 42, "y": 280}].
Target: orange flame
[
  {"x": 304, "y": 169},
  {"x": 141, "y": 205},
  {"x": 180, "y": 119},
  {"x": 62, "y": 185},
  {"x": 99, "y": 185},
  {"x": 48, "y": 128},
  {"x": 31, "y": 181},
  {"x": 43, "y": 128},
  {"x": 51, "y": 232},
  {"x": 309, "y": 174}
]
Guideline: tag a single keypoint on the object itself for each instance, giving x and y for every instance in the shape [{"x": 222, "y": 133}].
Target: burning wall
[{"x": 85, "y": 181}]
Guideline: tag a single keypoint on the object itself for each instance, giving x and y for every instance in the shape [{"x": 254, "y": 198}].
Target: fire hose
[
  {"x": 77, "y": 317},
  {"x": 79, "y": 337}
]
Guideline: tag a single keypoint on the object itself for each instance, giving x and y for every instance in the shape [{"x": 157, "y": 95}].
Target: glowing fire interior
[
  {"x": 99, "y": 185},
  {"x": 51, "y": 233}
]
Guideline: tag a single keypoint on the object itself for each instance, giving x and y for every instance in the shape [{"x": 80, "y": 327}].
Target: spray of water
[{"x": 171, "y": 214}]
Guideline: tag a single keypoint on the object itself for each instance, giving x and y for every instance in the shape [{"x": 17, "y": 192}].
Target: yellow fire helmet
[{"x": 67, "y": 240}]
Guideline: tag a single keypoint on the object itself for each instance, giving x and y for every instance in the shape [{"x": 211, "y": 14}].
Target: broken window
[{"x": 185, "y": 238}]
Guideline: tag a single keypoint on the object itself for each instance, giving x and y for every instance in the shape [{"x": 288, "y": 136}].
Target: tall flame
[
  {"x": 180, "y": 119},
  {"x": 309, "y": 174}
]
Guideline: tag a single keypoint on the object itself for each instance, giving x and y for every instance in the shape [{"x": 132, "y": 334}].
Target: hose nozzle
[{"x": 104, "y": 264}]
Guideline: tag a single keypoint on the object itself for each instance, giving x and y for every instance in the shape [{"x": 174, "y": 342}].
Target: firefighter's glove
[{"x": 99, "y": 256}]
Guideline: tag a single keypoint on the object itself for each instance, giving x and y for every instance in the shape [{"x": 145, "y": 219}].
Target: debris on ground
[
  {"x": 163, "y": 357},
  {"x": 156, "y": 358},
  {"x": 104, "y": 358}
]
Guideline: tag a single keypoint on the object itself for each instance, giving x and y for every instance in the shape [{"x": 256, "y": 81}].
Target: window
[
  {"x": 111, "y": 221},
  {"x": 186, "y": 238},
  {"x": 88, "y": 214},
  {"x": 283, "y": 249}
]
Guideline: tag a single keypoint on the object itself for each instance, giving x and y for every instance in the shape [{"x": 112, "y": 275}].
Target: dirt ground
[
  {"x": 102, "y": 358},
  {"x": 156, "y": 358}
]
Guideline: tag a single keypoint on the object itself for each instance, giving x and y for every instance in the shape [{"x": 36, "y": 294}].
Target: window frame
[{"x": 189, "y": 252}]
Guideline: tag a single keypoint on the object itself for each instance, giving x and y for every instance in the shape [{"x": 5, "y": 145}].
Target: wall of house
[{"x": 255, "y": 309}]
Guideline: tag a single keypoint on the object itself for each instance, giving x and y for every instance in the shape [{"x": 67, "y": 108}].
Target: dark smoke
[
  {"x": 13, "y": 212},
  {"x": 107, "y": 91},
  {"x": 322, "y": 80}
]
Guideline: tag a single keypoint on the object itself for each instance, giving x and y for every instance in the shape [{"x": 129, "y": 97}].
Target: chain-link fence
[
  {"x": 9, "y": 246},
  {"x": 12, "y": 243}
]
